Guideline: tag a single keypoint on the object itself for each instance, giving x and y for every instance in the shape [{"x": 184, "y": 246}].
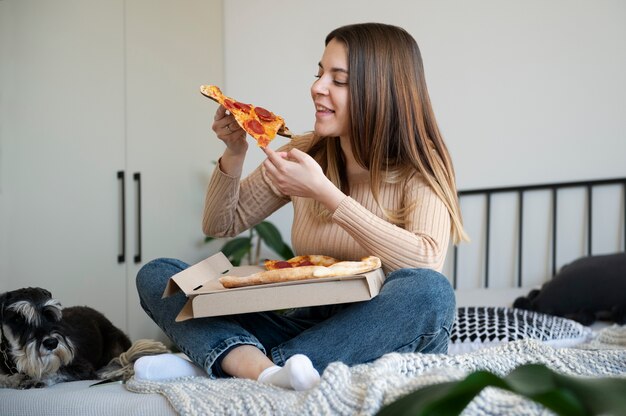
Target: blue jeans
[{"x": 413, "y": 312}]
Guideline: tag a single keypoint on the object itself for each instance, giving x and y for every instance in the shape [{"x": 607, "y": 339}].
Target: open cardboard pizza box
[{"x": 207, "y": 297}]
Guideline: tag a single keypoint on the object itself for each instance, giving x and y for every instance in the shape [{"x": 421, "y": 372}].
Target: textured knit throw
[{"x": 365, "y": 389}]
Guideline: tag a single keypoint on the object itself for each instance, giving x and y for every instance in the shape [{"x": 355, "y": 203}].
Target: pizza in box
[{"x": 302, "y": 268}]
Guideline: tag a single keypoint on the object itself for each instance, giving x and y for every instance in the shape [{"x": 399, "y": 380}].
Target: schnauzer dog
[{"x": 42, "y": 344}]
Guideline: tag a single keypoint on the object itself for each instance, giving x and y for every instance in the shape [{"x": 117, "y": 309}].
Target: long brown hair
[{"x": 397, "y": 133}]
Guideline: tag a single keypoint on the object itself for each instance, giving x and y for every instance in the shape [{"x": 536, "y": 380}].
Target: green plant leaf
[
  {"x": 208, "y": 239},
  {"x": 236, "y": 249},
  {"x": 286, "y": 252},
  {"x": 415, "y": 402},
  {"x": 461, "y": 394},
  {"x": 236, "y": 244},
  {"x": 564, "y": 395},
  {"x": 600, "y": 395},
  {"x": 235, "y": 258},
  {"x": 271, "y": 236},
  {"x": 448, "y": 398},
  {"x": 560, "y": 401}
]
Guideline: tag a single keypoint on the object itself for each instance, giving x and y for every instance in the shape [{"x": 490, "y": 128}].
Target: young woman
[{"x": 374, "y": 178}]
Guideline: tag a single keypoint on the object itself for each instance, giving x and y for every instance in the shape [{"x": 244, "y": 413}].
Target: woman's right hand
[{"x": 227, "y": 130}]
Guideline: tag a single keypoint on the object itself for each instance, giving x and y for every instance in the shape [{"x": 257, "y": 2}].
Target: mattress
[{"x": 77, "y": 398}]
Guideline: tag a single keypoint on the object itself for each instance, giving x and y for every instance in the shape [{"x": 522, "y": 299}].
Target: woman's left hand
[{"x": 295, "y": 173}]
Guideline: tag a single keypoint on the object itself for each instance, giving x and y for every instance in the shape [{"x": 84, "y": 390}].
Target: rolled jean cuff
[
  {"x": 213, "y": 362},
  {"x": 276, "y": 357}
]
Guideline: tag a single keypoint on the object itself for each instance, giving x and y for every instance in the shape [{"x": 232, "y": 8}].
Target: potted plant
[{"x": 249, "y": 247}]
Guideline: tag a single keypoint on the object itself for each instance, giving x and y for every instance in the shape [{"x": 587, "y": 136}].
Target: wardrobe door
[
  {"x": 62, "y": 144},
  {"x": 170, "y": 51}
]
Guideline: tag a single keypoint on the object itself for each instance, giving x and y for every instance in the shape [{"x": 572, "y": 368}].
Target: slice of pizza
[
  {"x": 258, "y": 122},
  {"x": 341, "y": 268},
  {"x": 299, "y": 261}
]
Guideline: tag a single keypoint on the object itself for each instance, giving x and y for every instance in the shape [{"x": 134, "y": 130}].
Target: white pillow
[{"x": 478, "y": 327}]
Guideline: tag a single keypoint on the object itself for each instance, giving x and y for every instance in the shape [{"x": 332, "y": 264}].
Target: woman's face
[{"x": 330, "y": 92}]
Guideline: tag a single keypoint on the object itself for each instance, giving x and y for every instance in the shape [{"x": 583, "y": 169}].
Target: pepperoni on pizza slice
[
  {"x": 258, "y": 122},
  {"x": 300, "y": 261}
]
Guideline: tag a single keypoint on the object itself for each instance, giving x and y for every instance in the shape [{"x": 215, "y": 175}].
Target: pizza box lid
[{"x": 207, "y": 297}]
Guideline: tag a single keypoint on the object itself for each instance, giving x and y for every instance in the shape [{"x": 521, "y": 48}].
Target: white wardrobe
[{"x": 105, "y": 144}]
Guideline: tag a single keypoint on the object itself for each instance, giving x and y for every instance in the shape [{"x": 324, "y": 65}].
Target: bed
[{"x": 521, "y": 237}]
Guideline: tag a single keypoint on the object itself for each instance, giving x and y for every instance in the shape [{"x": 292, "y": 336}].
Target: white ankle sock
[
  {"x": 164, "y": 366},
  {"x": 297, "y": 374}
]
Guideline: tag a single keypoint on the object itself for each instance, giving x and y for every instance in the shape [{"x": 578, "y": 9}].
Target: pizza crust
[
  {"x": 342, "y": 268},
  {"x": 349, "y": 268}
]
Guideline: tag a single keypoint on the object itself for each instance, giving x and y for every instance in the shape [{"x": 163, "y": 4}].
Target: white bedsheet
[{"x": 78, "y": 399}]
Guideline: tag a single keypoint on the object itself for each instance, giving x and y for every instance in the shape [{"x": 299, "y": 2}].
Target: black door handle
[
  {"x": 137, "y": 179},
  {"x": 121, "y": 256}
]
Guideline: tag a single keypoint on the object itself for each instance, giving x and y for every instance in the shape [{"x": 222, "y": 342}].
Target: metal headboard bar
[
  {"x": 521, "y": 190},
  {"x": 488, "y": 231},
  {"x": 589, "y": 217},
  {"x": 520, "y": 227},
  {"x": 555, "y": 208}
]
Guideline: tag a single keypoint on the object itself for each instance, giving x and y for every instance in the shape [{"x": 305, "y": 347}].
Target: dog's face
[{"x": 32, "y": 333}]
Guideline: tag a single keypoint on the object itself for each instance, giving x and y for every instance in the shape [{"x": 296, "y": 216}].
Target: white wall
[
  {"x": 3, "y": 73},
  {"x": 524, "y": 91}
]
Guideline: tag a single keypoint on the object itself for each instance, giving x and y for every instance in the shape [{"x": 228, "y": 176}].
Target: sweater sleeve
[
  {"x": 423, "y": 242},
  {"x": 233, "y": 206}
]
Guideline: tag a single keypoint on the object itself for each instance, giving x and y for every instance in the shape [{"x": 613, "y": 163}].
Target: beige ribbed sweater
[{"x": 356, "y": 229}]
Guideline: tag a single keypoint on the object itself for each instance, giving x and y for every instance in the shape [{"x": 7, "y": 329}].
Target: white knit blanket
[{"x": 365, "y": 389}]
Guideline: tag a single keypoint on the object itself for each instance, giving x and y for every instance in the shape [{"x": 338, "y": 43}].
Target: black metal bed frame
[{"x": 520, "y": 191}]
